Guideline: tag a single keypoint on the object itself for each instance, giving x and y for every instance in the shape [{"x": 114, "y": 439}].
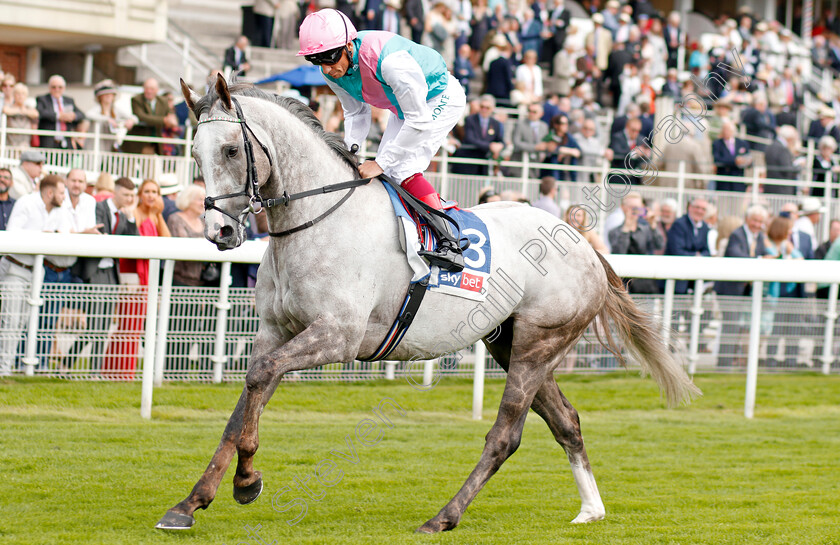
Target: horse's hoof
[
  {"x": 248, "y": 494},
  {"x": 589, "y": 516},
  {"x": 175, "y": 521},
  {"x": 427, "y": 529},
  {"x": 434, "y": 526}
]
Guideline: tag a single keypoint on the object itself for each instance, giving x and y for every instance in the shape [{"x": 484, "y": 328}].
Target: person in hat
[
  {"x": 826, "y": 167},
  {"x": 169, "y": 189},
  {"x": 111, "y": 118},
  {"x": 610, "y": 15},
  {"x": 27, "y": 174},
  {"x": 411, "y": 81},
  {"x": 825, "y": 125},
  {"x": 809, "y": 215}
]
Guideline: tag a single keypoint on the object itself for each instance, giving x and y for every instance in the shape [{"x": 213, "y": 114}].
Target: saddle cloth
[{"x": 415, "y": 235}]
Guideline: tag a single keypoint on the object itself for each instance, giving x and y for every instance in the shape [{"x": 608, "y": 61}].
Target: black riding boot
[{"x": 448, "y": 255}]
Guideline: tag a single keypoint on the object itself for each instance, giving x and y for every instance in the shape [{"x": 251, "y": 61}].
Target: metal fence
[{"x": 96, "y": 332}]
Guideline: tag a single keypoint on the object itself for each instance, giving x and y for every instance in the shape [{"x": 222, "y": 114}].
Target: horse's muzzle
[{"x": 225, "y": 237}]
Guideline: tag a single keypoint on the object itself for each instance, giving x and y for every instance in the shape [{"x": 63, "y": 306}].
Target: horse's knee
[{"x": 501, "y": 446}]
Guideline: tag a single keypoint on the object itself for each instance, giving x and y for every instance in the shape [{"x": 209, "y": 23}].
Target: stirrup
[{"x": 446, "y": 257}]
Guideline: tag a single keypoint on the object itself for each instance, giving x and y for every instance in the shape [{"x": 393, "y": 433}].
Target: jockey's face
[{"x": 340, "y": 68}]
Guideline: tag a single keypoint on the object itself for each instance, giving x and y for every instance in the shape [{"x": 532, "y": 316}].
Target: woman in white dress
[{"x": 112, "y": 118}]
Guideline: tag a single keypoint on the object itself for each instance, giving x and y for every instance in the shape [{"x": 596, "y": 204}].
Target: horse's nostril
[{"x": 226, "y": 231}]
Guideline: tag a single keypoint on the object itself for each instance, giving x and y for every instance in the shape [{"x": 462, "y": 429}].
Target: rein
[{"x": 252, "y": 182}]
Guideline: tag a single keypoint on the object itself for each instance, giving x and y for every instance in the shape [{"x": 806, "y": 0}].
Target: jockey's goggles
[{"x": 326, "y": 57}]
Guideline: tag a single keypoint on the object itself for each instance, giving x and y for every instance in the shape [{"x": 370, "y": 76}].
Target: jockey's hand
[{"x": 370, "y": 169}]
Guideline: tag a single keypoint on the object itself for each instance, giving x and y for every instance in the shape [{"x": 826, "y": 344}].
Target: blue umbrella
[{"x": 306, "y": 74}]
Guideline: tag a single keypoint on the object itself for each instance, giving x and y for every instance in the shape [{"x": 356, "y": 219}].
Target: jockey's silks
[{"x": 379, "y": 58}]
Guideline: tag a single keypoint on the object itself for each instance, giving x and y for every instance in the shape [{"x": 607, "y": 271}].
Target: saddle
[{"x": 444, "y": 248}]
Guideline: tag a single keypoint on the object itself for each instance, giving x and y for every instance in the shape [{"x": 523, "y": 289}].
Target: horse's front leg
[
  {"x": 181, "y": 517},
  {"x": 323, "y": 342}
]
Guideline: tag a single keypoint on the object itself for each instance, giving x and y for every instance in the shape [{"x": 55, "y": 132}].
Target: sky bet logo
[{"x": 464, "y": 280}]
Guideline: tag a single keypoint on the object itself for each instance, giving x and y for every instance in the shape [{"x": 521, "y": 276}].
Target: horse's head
[{"x": 229, "y": 150}]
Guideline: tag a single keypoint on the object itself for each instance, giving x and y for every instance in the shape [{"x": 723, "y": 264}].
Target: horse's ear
[
  {"x": 223, "y": 92},
  {"x": 190, "y": 96}
]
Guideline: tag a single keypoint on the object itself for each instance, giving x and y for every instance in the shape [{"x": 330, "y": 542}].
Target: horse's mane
[{"x": 296, "y": 107}]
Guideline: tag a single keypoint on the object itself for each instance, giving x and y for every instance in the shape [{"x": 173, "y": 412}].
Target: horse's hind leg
[
  {"x": 533, "y": 357},
  {"x": 563, "y": 421}
]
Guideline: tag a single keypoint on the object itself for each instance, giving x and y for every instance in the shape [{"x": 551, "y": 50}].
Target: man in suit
[
  {"x": 672, "y": 88},
  {"x": 615, "y": 67},
  {"x": 759, "y": 121},
  {"x": 235, "y": 57},
  {"x": 499, "y": 79},
  {"x": 689, "y": 236},
  {"x": 415, "y": 14},
  {"x": 746, "y": 241},
  {"x": 483, "y": 138},
  {"x": 115, "y": 217},
  {"x": 153, "y": 114},
  {"x": 529, "y": 135},
  {"x": 555, "y": 32},
  {"x": 57, "y": 112},
  {"x": 530, "y": 32},
  {"x": 673, "y": 38},
  {"x": 731, "y": 155},
  {"x": 633, "y": 111},
  {"x": 622, "y": 143},
  {"x": 372, "y": 14},
  {"x": 779, "y": 158}
]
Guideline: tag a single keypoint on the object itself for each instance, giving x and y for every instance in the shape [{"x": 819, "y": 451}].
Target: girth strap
[{"x": 406, "y": 316}]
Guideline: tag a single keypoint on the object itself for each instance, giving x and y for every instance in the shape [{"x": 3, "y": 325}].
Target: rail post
[
  {"x": 752, "y": 355},
  {"x": 478, "y": 380},
  {"x": 696, "y": 313},
  {"x": 35, "y": 303},
  {"x": 149, "y": 346},
  {"x": 830, "y": 320},
  {"x": 667, "y": 310},
  {"x": 163, "y": 324},
  {"x": 222, "y": 307}
]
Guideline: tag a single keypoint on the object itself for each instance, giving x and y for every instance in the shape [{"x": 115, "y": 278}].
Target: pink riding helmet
[{"x": 325, "y": 30}]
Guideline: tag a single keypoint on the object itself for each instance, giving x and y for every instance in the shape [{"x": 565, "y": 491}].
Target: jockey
[{"x": 385, "y": 70}]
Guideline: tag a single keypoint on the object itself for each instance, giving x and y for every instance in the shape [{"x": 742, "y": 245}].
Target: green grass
[{"x": 78, "y": 464}]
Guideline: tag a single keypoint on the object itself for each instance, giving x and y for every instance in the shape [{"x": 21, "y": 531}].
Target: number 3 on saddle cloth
[{"x": 416, "y": 235}]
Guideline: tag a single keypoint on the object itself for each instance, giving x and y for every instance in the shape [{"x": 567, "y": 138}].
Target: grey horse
[{"x": 331, "y": 292}]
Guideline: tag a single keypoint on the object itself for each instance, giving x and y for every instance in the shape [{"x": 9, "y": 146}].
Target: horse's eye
[{"x": 232, "y": 151}]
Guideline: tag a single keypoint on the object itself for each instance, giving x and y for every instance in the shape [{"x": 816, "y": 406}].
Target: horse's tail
[{"x": 642, "y": 338}]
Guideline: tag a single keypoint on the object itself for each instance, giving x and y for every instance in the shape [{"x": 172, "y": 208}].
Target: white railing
[{"x": 668, "y": 268}]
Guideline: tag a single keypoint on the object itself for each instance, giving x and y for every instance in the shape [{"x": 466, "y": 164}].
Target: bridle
[{"x": 252, "y": 184}]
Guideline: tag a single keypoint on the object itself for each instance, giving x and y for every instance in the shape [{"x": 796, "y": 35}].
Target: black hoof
[
  {"x": 175, "y": 521},
  {"x": 247, "y": 494}
]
